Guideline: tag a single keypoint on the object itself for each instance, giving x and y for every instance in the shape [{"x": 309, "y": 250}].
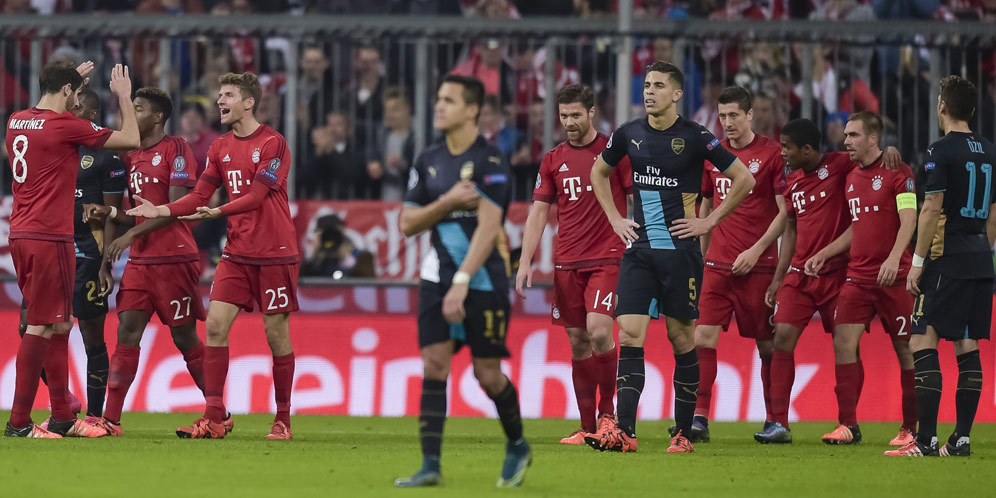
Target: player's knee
[
  {"x": 580, "y": 342},
  {"x": 215, "y": 329},
  {"x": 184, "y": 336},
  {"x": 435, "y": 368},
  {"x": 93, "y": 335},
  {"x": 844, "y": 346},
  {"x": 490, "y": 378},
  {"x": 765, "y": 348}
]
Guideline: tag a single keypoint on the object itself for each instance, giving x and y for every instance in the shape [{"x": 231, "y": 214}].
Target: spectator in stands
[
  {"x": 486, "y": 62},
  {"x": 856, "y": 56},
  {"x": 834, "y": 127},
  {"x": 314, "y": 86},
  {"x": 195, "y": 130},
  {"x": 823, "y": 77},
  {"x": 426, "y": 7},
  {"x": 660, "y": 9},
  {"x": 494, "y": 127},
  {"x": 338, "y": 170},
  {"x": 334, "y": 255},
  {"x": 364, "y": 95},
  {"x": 494, "y": 9},
  {"x": 905, "y": 9},
  {"x": 707, "y": 114},
  {"x": 14, "y": 7},
  {"x": 525, "y": 161},
  {"x": 173, "y": 7},
  {"x": 395, "y": 146},
  {"x": 560, "y": 8},
  {"x": 767, "y": 121}
]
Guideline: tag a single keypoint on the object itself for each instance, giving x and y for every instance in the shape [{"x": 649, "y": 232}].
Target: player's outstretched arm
[
  {"x": 930, "y": 213},
  {"x": 535, "y": 224},
  {"x": 117, "y": 247},
  {"x": 127, "y": 138},
  {"x": 624, "y": 228},
  {"x": 415, "y": 218},
  {"x": 785, "y": 254},
  {"x": 489, "y": 218},
  {"x": 746, "y": 260},
  {"x": 840, "y": 245}
]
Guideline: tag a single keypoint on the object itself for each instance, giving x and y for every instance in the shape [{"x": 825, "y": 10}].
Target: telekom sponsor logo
[{"x": 348, "y": 364}]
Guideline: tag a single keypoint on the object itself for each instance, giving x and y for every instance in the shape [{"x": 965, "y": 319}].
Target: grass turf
[{"x": 351, "y": 456}]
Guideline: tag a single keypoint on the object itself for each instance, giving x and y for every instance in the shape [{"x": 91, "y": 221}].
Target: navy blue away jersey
[{"x": 101, "y": 171}]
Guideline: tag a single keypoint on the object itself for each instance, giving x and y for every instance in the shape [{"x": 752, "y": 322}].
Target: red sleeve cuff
[{"x": 547, "y": 198}]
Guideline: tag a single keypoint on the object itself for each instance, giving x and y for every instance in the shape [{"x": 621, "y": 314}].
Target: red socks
[
  {"x": 909, "y": 400},
  {"x": 782, "y": 378},
  {"x": 28, "y": 365},
  {"x": 124, "y": 365},
  {"x": 766, "y": 387},
  {"x": 707, "y": 377},
  {"x": 848, "y": 389},
  {"x": 195, "y": 364},
  {"x": 215, "y": 373},
  {"x": 283, "y": 382},
  {"x": 56, "y": 365},
  {"x": 584, "y": 372},
  {"x": 607, "y": 364}
]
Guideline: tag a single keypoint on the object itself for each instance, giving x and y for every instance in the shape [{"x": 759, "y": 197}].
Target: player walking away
[
  {"x": 661, "y": 270},
  {"x": 459, "y": 189},
  {"x": 101, "y": 178},
  {"x": 260, "y": 262},
  {"x": 163, "y": 270},
  {"x": 957, "y": 229},
  {"x": 741, "y": 253},
  {"x": 882, "y": 207},
  {"x": 43, "y": 144},
  {"x": 587, "y": 256},
  {"x": 817, "y": 216}
]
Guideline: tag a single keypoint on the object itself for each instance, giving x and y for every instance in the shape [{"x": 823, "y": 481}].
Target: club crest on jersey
[
  {"x": 556, "y": 312},
  {"x": 823, "y": 173},
  {"x": 96, "y": 127},
  {"x": 179, "y": 164},
  {"x": 877, "y": 183},
  {"x": 413, "y": 179},
  {"x": 157, "y": 159},
  {"x": 910, "y": 185},
  {"x": 754, "y": 166},
  {"x": 274, "y": 164},
  {"x": 678, "y": 145},
  {"x": 255, "y": 155},
  {"x": 467, "y": 171},
  {"x": 86, "y": 161}
]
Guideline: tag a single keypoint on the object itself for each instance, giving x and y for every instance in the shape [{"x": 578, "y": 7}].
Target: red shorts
[
  {"x": 581, "y": 291},
  {"x": 801, "y": 296},
  {"x": 859, "y": 303},
  {"x": 724, "y": 294},
  {"x": 46, "y": 274},
  {"x": 272, "y": 287},
  {"x": 167, "y": 290}
]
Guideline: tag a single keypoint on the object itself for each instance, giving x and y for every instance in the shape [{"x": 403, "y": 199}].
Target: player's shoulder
[
  {"x": 489, "y": 154},
  {"x": 768, "y": 144},
  {"x": 630, "y": 127}
]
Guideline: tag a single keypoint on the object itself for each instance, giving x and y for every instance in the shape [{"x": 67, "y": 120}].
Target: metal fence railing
[{"x": 353, "y": 95}]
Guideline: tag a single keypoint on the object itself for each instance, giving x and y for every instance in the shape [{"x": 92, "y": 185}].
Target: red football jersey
[
  {"x": 42, "y": 150},
  {"x": 746, "y": 224},
  {"x": 264, "y": 235},
  {"x": 871, "y": 199},
  {"x": 584, "y": 236},
  {"x": 816, "y": 201},
  {"x": 151, "y": 172}
]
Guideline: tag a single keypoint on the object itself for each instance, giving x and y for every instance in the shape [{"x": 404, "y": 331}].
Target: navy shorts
[
  {"x": 660, "y": 282},
  {"x": 483, "y": 329}
]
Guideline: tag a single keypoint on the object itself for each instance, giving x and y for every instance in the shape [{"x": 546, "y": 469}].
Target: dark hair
[
  {"x": 473, "y": 89},
  {"x": 159, "y": 99},
  {"x": 90, "y": 99},
  {"x": 667, "y": 68},
  {"x": 194, "y": 106},
  {"x": 737, "y": 95},
  {"x": 577, "y": 93},
  {"x": 871, "y": 122},
  {"x": 803, "y": 132},
  {"x": 248, "y": 85},
  {"x": 57, "y": 74},
  {"x": 396, "y": 92},
  {"x": 959, "y": 95},
  {"x": 492, "y": 100}
]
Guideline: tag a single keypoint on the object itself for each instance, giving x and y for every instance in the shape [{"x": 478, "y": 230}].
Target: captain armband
[{"x": 906, "y": 200}]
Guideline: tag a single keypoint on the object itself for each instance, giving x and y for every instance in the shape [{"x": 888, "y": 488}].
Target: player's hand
[
  {"x": 462, "y": 196},
  {"x": 771, "y": 293},
  {"x": 147, "y": 210},
  {"x": 85, "y": 69},
  {"x": 106, "y": 280},
  {"x": 687, "y": 228},
  {"x": 114, "y": 250},
  {"x": 95, "y": 212},
  {"x": 891, "y": 158},
  {"x": 745, "y": 262},
  {"x": 203, "y": 213},
  {"x": 815, "y": 264},
  {"x": 887, "y": 272},
  {"x": 913, "y": 280},
  {"x": 120, "y": 81},
  {"x": 453, "y": 310},
  {"x": 625, "y": 228},
  {"x": 523, "y": 276}
]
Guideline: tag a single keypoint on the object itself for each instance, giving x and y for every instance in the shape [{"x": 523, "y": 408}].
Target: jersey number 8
[{"x": 20, "y": 148}]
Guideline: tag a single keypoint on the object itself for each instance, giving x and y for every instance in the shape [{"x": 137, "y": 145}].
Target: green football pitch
[{"x": 350, "y": 456}]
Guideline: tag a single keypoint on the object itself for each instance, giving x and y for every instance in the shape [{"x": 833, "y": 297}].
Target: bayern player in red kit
[
  {"x": 882, "y": 205},
  {"x": 260, "y": 262},
  {"x": 741, "y": 252},
  {"x": 163, "y": 270},
  {"x": 586, "y": 265},
  {"x": 42, "y": 143},
  {"x": 817, "y": 215}
]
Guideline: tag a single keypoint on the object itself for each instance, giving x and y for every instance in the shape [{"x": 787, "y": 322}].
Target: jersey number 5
[
  {"x": 20, "y": 148},
  {"x": 969, "y": 210}
]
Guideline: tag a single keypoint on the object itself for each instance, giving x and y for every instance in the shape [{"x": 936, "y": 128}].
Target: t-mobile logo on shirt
[
  {"x": 572, "y": 187},
  {"x": 855, "y": 206},
  {"x": 798, "y": 201},
  {"x": 235, "y": 180},
  {"x": 723, "y": 185}
]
